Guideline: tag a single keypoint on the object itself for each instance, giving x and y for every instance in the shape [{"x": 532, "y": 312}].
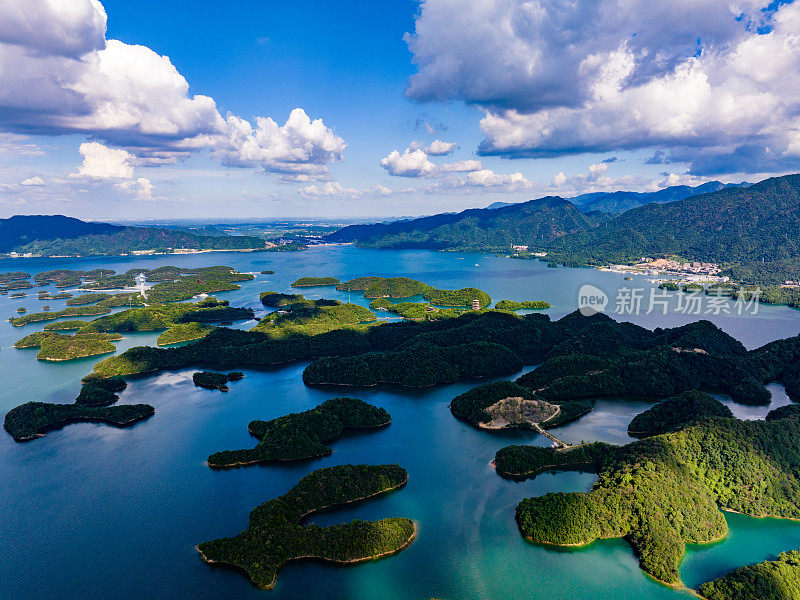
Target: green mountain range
[
  {"x": 57, "y": 235},
  {"x": 755, "y": 230}
]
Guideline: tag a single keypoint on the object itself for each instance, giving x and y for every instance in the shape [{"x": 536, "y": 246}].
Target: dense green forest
[
  {"x": 665, "y": 491},
  {"x": 417, "y": 365},
  {"x": 276, "y": 534},
  {"x": 303, "y": 435},
  {"x": 183, "y": 332},
  {"x": 96, "y": 391},
  {"x": 675, "y": 412},
  {"x": 770, "y": 580},
  {"x": 312, "y": 317}
]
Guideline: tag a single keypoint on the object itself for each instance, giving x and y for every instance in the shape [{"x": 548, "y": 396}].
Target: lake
[{"x": 93, "y": 511}]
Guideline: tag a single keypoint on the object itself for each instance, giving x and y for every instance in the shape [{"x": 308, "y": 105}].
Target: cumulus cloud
[
  {"x": 435, "y": 148},
  {"x": 59, "y": 74},
  {"x": 715, "y": 84},
  {"x": 483, "y": 180},
  {"x": 598, "y": 180},
  {"x": 101, "y": 162},
  {"x": 32, "y": 181},
  {"x": 415, "y": 163}
]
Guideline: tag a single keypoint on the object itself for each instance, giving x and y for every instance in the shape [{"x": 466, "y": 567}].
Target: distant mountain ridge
[
  {"x": 757, "y": 226},
  {"x": 535, "y": 222},
  {"x": 619, "y": 202},
  {"x": 57, "y": 235}
]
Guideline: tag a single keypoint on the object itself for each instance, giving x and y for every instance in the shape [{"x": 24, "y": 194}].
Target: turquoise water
[{"x": 92, "y": 511}]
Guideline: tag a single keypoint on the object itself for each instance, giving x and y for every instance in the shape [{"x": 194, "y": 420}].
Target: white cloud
[
  {"x": 32, "y": 181},
  {"x": 598, "y": 180},
  {"x": 415, "y": 163},
  {"x": 435, "y": 148},
  {"x": 716, "y": 83},
  {"x": 142, "y": 188},
  {"x": 335, "y": 189},
  {"x": 101, "y": 162},
  {"x": 59, "y": 74},
  {"x": 484, "y": 180}
]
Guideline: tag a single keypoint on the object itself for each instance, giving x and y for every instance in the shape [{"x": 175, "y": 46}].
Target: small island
[
  {"x": 34, "y": 419},
  {"x": 508, "y": 405},
  {"x": 525, "y": 304},
  {"x": 276, "y": 299},
  {"x": 665, "y": 491},
  {"x": 404, "y": 287},
  {"x": 276, "y": 534},
  {"x": 212, "y": 380},
  {"x": 312, "y": 317},
  {"x": 57, "y": 347},
  {"x": 71, "y": 311},
  {"x": 770, "y": 580},
  {"x": 304, "y": 435},
  {"x": 315, "y": 282},
  {"x": 675, "y": 412}
]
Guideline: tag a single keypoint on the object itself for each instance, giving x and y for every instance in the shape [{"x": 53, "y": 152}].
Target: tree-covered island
[
  {"x": 315, "y": 282},
  {"x": 770, "y": 580},
  {"x": 404, "y": 287},
  {"x": 277, "y": 535},
  {"x": 665, "y": 491},
  {"x": 303, "y": 435}
]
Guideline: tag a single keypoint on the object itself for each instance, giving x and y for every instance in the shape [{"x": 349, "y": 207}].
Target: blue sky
[{"x": 524, "y": 100}]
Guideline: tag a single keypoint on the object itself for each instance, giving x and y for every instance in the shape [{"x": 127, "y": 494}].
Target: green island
[
  {"x": 525, "y": 304},
  {"x": 691, "y": 288},
  {"x": 315, "y": 282},
  {"x": 665, "y": 491},
  {"x": 670, "y": 286},
  {"x": 770, "y": 580},
  {"x": 13, "y": 276},
  {"x": 72, "y": 325},
  {"x": 416, "y": 310},
  {"x": 675, "y": 412},
  {"x": 17, "y": 285},
  {"x": 174, "y": 284},
  {"x": 211, "y": 380},
  {"x": 312, "y": 317},
  {"x": 508, "y": 405},
  {"x": 268, "y": 272},
  {"x": 299, "y": 436},
  {"x": 403, "y": 287},
  {"x": 276, "y": 534},
  {"x": 70, "y": 311},
  {"x": 276, "y": 299},
  {"x": 183, "y": 332},
  {"x": 57, "y": 347},
  {"x": 34, "y": 419},
  {"x": 158, "y": 317}
]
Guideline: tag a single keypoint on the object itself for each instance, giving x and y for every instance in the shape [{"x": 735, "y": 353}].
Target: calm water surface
[{"x": 93, "y": 511}]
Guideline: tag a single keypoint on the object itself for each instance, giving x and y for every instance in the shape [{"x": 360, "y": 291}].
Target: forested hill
[
  {"x": 743, "y": 225},
  {"x": 534, "y": 223},
  {"x": 57, "y": 235}
]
